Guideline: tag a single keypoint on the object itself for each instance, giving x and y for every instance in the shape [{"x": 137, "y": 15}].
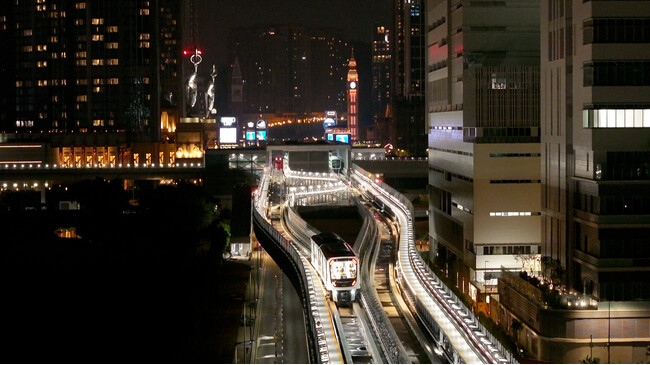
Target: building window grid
[
  {"x": 513, "y": 249},
  {"x": 507, "y": 96}
]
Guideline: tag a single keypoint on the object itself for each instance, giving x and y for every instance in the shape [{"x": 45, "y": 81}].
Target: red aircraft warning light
[{"x": 196, "y": 51}]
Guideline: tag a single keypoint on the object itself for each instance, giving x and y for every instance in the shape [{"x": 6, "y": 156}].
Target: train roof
[{"x": 332, "y": 245}]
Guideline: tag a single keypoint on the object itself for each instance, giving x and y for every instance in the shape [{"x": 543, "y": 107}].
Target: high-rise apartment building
[
  {"x": 483, "y": 122},
  {"x": 408, "y": 131},
  {"x": 88, "y": 66},
  {"x": 381, "y": 81},
  {"x": 291, "y": 69}
]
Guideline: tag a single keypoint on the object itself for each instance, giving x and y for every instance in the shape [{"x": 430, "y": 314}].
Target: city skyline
[{"x": 448, "y": 180}]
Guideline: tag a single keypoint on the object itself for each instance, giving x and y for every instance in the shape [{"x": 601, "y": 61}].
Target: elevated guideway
[
  {"x": 457, "y": 333},
  {"x": 363, "y": 331},
  {"x": 321, "y": 335}
]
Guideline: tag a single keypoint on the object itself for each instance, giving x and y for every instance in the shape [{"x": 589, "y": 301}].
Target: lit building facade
[
  {"x": 408, "y": 128},
  {"x": 483, "y": 139},
  {"x": 100, "y": 83},
  {"x": 291, "y": 70},
  {"x": 353, "y": 99},
  {"x": 88, "y": 66}
]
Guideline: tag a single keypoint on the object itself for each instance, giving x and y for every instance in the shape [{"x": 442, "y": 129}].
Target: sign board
[
  {"x": 250, "y": 135},
  {"x": 330, "y": 119},
  {"x": 228, "y": 121},
  {"x": 227, "y": 135},
  {"x": 329, "y": 123},
  {"x": 261, "y": 135},
  {"x": 345, "y": 138},
  {"x": 261, "y": 124}
]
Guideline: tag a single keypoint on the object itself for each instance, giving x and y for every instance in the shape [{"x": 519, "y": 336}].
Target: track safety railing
[
  {"x": 318, "y": 349},
  {"x": 491, "y": 350}
]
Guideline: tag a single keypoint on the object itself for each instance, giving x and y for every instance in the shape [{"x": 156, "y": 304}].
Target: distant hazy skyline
[{"x": 356, "y": 18}]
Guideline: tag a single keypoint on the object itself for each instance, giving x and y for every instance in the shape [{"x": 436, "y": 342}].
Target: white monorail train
[{"x": 337, "y": 265}]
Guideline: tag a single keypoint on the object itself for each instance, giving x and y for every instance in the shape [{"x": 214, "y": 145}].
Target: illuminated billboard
[
  {"x": 329, "y": 123},
  {"x": 330, "y": 137},
  {"x": 330, "y": 119},
  {"x": 250, "y": 135},
  {"x": 261, "y": 135},
  {"x": 345, "y": 138},
  {"x": 227, "y": 135},
  {"x": 228, "y": 122}
]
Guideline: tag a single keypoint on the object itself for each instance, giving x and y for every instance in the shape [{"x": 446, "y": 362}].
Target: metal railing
[
  {"x": 304, "y": 282},
  {"x": 436, "y": 288}
]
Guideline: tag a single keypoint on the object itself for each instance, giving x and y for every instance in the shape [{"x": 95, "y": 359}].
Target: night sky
[{"x": 216, "y": 17}]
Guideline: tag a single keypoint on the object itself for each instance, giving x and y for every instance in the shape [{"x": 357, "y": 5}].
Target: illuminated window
[
  {"x": 41, "y": 64},
  {"x": 111, "y": 29},
  {"x": 81, "y": 54},
  {"x": 111, "y": 45},
  {"x": 78, "y": 22},
  {"x": 145, "y": 36},
  {"x": 98, "y": 37},
  {"x": 145, "y": 80},
  {"x": 98, "y": 62},
  {"x": 19, "y": 83},
  {"x": 97, "y": 21},
  {"x": 82, "y": 98},
  {"x": 98, "y": 89},
  {"x": 41, "y": 47},
  {"x": 81, "y": 62},
  {"x": 42, "y": 83},
  {"x": 144, "y": 11},
  {"x": 98, "y": 81},
  {"x": 114, "y": 81},
  {"x": 27, "y": 48},
  {"x": 113, "y": 62},
  {"x": 514, "y": 214},
  {"x": 98, "y": 123},
  {"x": 616, "y": 118},
  {"x": 27, "y": 32},
  {"x": 144, "y": 44},
  {"x": 80, "y": 5}
]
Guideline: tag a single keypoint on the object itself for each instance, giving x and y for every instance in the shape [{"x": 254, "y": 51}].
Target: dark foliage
[{"x": 133, "y": 289}]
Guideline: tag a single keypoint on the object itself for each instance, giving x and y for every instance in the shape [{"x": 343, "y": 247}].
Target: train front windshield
[{"x": 343, "y": 270}]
